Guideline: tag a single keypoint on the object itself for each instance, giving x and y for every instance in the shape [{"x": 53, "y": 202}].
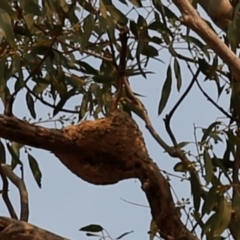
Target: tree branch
[
  {"x": 11, "y": 229},
  {"x": 5, "y": 194},
  {"x": 105, "y": 151},
  {"x": 18, "y": 182}
]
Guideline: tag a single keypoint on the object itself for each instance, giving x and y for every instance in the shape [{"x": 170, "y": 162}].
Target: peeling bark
[{"x": 102, "y": 152}]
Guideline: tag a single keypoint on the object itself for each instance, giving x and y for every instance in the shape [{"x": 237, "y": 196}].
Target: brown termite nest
[{"x": 108, "y": 150}]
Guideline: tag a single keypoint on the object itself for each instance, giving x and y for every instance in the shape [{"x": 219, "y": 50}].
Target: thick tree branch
[
  {"x": 103, "y": 152},
  {"x": 11, "y": 229}
]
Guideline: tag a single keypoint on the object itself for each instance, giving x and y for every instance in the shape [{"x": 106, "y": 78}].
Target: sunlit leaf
[
  {"x": 223, "y": 213},
  {"x": 153, "y": 230}
]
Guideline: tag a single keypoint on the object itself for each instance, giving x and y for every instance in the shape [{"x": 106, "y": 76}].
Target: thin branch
[
  {"x": 139, "y": 105},
  {"x": 169, "y": 116},
  {"x": 18, "y": 182},
  {"x": 214, "y": 103},
  {"x": 5, "y": 194}
]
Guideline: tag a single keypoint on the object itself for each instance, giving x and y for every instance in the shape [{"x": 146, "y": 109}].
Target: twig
[
  {"x": 18, "y": 182},
  {"x": 169, "y": 116},
  {"x": 133, "y": 203},
  {"x": 216, "y": 105},
  {"x": 5, "y": 194}
]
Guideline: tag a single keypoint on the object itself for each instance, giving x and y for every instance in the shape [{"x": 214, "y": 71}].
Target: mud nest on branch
[{"x": 107, "y": 150}]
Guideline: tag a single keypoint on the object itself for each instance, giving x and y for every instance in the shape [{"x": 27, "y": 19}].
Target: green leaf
[
  {"x": 208, "y": 166},
  {"x": 196, "y": 190},
  {"x": 165, "y": 91},
  {"x": 178, "y": 75},
  {"x": 2, "y": 153},
  {"x": 15, "y": 156},
  {"x": 149, "y": 51},
  {"x": 35, "y": 169},
  {"x": 179, "y": 167},
  {"x": 92, "y": 228},
  {"x": 87, "y": 68},
  {"x": 6, "y": 26},
  {"x": 182, "y": 144},
  {"x": 134, "y": 28},
  {"x": 211, "y": 200},
  {"x": 156, "y": 40},
  {"x": 30, "y": 105},
  {"x": 31, "y": 7},
  {"x": 40, "y": 87},
  {"x": 5, "y": 5}
]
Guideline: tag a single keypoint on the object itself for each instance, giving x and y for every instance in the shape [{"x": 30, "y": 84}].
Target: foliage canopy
[{"x": 57, "y": 52}]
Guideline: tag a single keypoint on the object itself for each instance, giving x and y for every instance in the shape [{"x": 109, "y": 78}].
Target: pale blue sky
[{"x": 65, "y": 203}]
